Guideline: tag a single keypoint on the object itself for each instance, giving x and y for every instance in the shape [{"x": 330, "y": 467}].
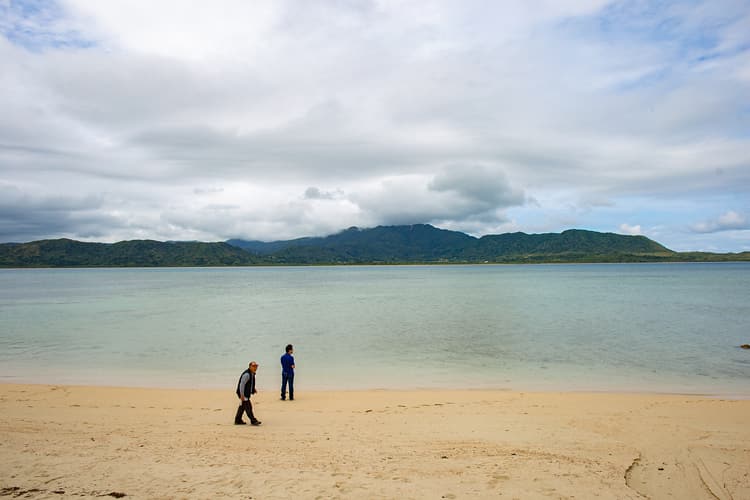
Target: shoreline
[
  {"x": 91, "y": 441},
  {"x": 712, "y": 258},
  {"x": 264, "y": 385}
]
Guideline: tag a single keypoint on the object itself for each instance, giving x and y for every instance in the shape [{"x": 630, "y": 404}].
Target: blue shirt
[{"x": 287, "y": 363}]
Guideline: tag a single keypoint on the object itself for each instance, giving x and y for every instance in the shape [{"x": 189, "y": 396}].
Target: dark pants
[
  {"x": 287, "y": 377},
  {"x": 247, "y": 406}
]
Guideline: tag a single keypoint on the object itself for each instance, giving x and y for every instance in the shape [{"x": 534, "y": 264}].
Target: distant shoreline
[
  {"x": 383, "y": 245},
  {"x": 393, "y": 264}
]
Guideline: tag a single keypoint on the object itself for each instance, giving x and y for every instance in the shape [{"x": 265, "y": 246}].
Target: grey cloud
[
  {"x": 313, "y": 193},
  {"x": 375, "y": 100},
  {"x": 280, "y": 154},
  {"x": 488, "y": 188},
  {"x": 13, "y": 198},
  {"x": 401, "y": 201},
  {"x": 186, "y": 118},
  {"x": 457, "y": 197},
  {"x": 119, "y": 93},
  {"x": 595, "y": 201},
  {"x": 24, "y": 217}
]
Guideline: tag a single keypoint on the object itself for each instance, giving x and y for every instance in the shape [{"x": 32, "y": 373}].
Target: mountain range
[{"x": 409, "y": 244}]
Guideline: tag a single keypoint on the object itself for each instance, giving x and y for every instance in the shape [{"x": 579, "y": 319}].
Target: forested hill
[
  {"x": 414, "y": 244},
  {"x": 136, "y": 253},
  {"x": 424, "y": 243}
]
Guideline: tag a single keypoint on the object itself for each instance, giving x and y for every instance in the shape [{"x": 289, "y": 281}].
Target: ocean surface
[{"x": 602, "y": 327}]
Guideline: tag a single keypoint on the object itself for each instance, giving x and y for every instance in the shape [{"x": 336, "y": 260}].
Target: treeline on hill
[
  {"x": 137, "y": 253},
  {"x": 414, "y": 244}
]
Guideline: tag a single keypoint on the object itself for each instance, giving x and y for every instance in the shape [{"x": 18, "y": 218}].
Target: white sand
[{"x": 85, "y": 442}]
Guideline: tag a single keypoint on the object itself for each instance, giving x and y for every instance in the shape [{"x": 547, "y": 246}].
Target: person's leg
[
  {"x": 249, "y": 410},
  {"x": 238, "y": 416},
  {"x": 291, "y": 386},
  {"x": 284, "y": 379}
]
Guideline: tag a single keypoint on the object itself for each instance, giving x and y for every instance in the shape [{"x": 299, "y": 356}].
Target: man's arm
[{"x": 243, "y": 382}]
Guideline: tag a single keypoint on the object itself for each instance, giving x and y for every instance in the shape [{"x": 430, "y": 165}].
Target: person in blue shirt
[{"x": 287, "y": 373}]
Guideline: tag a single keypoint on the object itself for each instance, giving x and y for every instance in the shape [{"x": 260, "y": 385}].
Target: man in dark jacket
[{"x": 245, "y": 389}]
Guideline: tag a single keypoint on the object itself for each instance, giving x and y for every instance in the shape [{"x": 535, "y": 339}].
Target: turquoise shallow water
[{"x": 621, "y": 327}]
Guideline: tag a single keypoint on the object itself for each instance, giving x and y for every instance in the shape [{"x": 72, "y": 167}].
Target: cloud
[
  {"x": 180, "y": 120},
  {"x": 729, "y": 221},
  {"x": 23, "y": 216},
  {"x": 313, "y": 193},
  {"x": 480, "y": 185},
  {"x": 208, "y": 190},
  {"x": 454, "y": 196},
  {"x": 632, "y": 230}
]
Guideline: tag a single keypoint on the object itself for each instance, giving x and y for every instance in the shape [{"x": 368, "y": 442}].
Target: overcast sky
[{"x": 178, "y": 120}]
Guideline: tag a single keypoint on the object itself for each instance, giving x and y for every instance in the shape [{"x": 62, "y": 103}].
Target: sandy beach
[{"x": 87, "y": 442}]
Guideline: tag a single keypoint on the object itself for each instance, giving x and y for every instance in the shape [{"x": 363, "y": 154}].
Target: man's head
[
  {"x": 289, "y": 348},
  {"x": 253, "y": 366}
]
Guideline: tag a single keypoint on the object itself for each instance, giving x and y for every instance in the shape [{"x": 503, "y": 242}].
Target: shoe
[
  {"x": 255, "y": 422},
  {"x": 291, "y": 399},
  {"x": 283, "y": 399},
  {"x": 239, "y": 422}
]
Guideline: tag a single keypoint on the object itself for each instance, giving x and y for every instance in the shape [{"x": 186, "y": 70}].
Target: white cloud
[
  {"x": 728, "y": 221},
  {"x": 632, "y": 230}
]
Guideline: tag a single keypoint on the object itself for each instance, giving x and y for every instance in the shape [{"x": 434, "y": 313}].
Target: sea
[{"x": 657, "y": 328}]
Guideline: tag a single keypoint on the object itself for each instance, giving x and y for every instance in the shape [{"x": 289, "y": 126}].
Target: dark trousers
[
  {"x": 247, "y": 406},
  {"x": 287, "y": 378}
]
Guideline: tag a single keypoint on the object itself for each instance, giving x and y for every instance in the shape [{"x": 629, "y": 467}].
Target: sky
[{"x": 271, "y": 120}]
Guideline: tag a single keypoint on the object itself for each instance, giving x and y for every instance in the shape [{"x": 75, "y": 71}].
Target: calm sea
[{"x": 617, "y": 327}]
